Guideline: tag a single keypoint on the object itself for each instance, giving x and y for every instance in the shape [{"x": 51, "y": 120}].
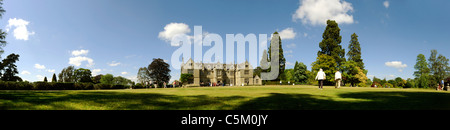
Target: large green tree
[
  {"x": 107, "y": 79},
  {"x": 354, "y": 52},
  {"x": 10, "y": 69},
  {"x": 282, "y": 60},
  {"x": 143, "y": 75},
  {"x": 67, "y": 74},
  {"x": 353, "y": 74},
  {"x": 300, "y": 74},
  {"x": 159, "y": 71},
  {"x": 331, "y": 43},
  {"x": 438, "y": 67},
  {"x": 422, "y": 72},
  {"x": 82, "y": 75}
]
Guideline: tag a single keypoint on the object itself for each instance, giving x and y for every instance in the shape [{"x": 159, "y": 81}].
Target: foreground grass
[{"x": 229, "y": 98}]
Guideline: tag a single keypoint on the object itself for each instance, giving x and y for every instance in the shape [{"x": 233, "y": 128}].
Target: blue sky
[{"x": 119, "y": 36}]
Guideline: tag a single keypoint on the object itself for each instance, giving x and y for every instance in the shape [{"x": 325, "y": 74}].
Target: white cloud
[
  {"x": 287, "y": 33},
  {"x": 51, "y": 70},
  {"x": 96, "y": 71},
  {"x": 38, "y": 66},
  {"x": 76, "y": 61},
  {"x": 21, "y": 31},
  {"x": 292, "y": 45},
  {"x": 25, "y": 72},
  {"x": 288, "y": 51},
  {"x": 396, "y": 64},
  {"x": 79, "y": 52},
  {"x": 289, "y": 63},
  {"x": 40, "y": 77},
  {"x": 124, "y": 73},
  {"x": 173, "y": 29},
  {"x": 386, "y": 4},
  {"x": 317, "y": 12},
  {"x": 114, "y": 63}
]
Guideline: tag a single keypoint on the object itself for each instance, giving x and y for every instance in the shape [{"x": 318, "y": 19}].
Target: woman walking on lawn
[{"x": 320, "y": 76}]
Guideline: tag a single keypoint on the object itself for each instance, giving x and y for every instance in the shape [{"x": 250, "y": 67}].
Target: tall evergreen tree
[
  {"x": 54, "y": 78},
  {"x": 422, "y": 71},
  {"x": 10, "y": 69},
  {"x": 330, "y": 44},
  {"x": 300, "y": 74},
  {"x": 354, "y": 52},
  {"x": 282, "y": 60},
  {"x": 45, "y": 79}
]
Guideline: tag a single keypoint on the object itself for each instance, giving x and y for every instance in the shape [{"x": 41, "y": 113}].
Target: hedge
[{"x": 8, "y": 85}]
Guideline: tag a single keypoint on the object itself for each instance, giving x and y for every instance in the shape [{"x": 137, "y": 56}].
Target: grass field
[{"x": 229, "y": 98}]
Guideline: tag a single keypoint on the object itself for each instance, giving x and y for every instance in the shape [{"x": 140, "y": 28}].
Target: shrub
[{"x": 11, "y": 85}]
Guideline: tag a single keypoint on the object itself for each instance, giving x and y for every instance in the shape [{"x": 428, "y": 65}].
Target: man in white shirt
[
  {"x": 321, "y": 77},
  {"x": 337, "y": 78}
]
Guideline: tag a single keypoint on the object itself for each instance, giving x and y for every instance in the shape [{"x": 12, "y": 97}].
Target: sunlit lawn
[{"x": 298, "y": 97}]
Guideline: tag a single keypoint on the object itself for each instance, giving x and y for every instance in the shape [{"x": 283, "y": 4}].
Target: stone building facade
[{"x": 230, "y": 74}]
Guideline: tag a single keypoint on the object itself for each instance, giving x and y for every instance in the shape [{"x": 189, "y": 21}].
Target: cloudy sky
[{"x": 119, "y": 36}]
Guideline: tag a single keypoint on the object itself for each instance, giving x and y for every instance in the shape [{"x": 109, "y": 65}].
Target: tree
[
  {"x": 119, "y": 80},
  {"x": 67, "y": 74},
  {"x": 282, "y": 60},
  {"x": 159, "y": 71},
  {"x": 186, "y": 78},
  {"x": 143, "y": 75},
  {"x": 289, "y": 75},
  {"x": 327, "y": 63},
  {"x": 10, "y": 69},
  {"x": 2, "y": 34},
  {"x": 422, "y": 72},
  {"x": 82, "y": 75},
  {"x": 54, "y": 78},
  {"x": 45, "y": 79},
  {"x": 439, "y": 67},
  {"x": 353, "y": 74},
  {"x": 300, "y": 74},
  {"x": 400, "y": 82},
  {"x": 96, "y": 79},
  {"x": 354, "y": 52},
  {"x": 330, "y": 44},
  {"x": 107, "y": 79}
]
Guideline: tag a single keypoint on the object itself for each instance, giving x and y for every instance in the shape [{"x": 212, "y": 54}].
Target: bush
[{"x": 10, "y": 85}]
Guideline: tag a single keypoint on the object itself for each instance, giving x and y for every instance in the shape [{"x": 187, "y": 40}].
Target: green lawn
[{"x": 229, "y": 98}]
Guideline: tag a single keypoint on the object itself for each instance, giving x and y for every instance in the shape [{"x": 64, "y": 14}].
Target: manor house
[{"x": 228, "y": 74}]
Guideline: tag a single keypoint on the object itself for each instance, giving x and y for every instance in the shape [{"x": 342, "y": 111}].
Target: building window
[
  {"x": 256, "y": 81},
  {"x": 219, "y": 73},
  {"x": 190, "y": 71},
  {"x": 246, "y": 72}
]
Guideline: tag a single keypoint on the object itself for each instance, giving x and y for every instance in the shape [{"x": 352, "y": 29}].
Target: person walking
[
  {"x": 337, "y": 78},
  {"x": 320, "y": 77}
]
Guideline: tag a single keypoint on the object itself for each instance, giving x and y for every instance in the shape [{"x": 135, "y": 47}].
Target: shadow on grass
[
  {"x": 61, "y": 100},
  {"x": 73, "y": 100},
  {"x": 370, "y": 101}
]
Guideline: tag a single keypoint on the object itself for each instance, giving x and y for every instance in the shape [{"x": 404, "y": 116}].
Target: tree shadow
[
  {"x": 111, "y": 100},
  {"x": 364, "y": 101},
  {"x": 62, "y": 100}
]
